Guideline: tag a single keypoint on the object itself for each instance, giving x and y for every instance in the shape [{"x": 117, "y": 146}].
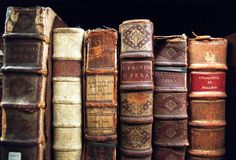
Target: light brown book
[
  {"x": 207, "y": 78},
  {"x": 100, "y": 94}
]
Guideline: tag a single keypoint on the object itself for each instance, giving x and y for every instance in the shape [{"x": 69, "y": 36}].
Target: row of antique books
[{"x": 70, "y": 94}]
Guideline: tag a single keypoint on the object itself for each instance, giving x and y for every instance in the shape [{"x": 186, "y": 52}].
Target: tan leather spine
[
  {"x": 100, "y": 89},
  {"x": 207, "y": 81}
]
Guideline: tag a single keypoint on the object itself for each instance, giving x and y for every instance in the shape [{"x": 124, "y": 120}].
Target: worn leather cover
[
  {"x": 136, "y": 89},
  {"x": 207, "y": 98},
  {"x": 100, "y": 88},
  {"x": 26, "y": 103},
  {"x": 1, "y": 61},
  {"x": 170, "y": 97},
  {"x": 67, "y": 97}
]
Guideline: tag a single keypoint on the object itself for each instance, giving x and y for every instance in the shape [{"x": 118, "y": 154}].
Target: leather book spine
[
  {"x": 67, "y": 98},
  {"x": 100, "y": 88},
  {"x": 170, "y": 97},
  {"x": 26, "y": 102},
  {"x": 1, "y": 62},
  {"x": 136, "y": 89},
  {"x": 207, "y": 95}
]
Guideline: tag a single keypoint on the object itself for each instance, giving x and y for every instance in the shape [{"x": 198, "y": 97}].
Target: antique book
[
  {"x": 1, "y": 61},
  {"x": 207, "y": 65},
  {"x": 170, "y": 97},
  {"x": 67, "y": 94},
  {"x": 26, "y": 102},
  {"x": 136, "y": 89},
  {"x": 100, "y": 88}
]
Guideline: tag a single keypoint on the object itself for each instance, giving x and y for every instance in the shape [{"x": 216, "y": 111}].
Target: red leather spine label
[
  {"x": 132, "y": 71},
  {"x": 202, "y": 82}
]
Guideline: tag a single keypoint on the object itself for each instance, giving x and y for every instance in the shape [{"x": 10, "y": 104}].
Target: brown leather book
[
  {"x": 170, "y": 97},
  {"x": 136, "y": 89},
  {"x": 100, "y": 88},
  {"x": 26, "y": 103},
  {"x": 1, "y": 61},
  {"x": 207, "y": 57}
]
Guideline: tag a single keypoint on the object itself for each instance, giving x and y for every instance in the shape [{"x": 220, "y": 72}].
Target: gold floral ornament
[{"x": 210, "y": 58}]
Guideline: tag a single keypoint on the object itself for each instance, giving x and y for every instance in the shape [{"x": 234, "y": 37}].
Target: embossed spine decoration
[
  {"x": 67, "y": 98},
  {"x": 100, "y": 81},
  {"x": 207, "y": 65},
  {"x": 170, "y": 98},
  {"x": 26, "y": 103},
  {"x": 136, "y": 89}
]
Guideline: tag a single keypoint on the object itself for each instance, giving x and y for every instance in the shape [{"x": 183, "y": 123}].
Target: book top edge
[
  {"x": 170, "y": 38},
  {"x": 28, "y": 8},
  {"x": 68, "y": 30},
  {"x": 208, "y": 38},
  {"x": 136, "y": 21},
  {"x": 101, "y": 30}
]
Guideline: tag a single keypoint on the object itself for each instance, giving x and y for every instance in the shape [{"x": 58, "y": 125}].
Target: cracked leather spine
[
  {"x": 170, "y": 97},
  {"x": 100, "y": 93},
  {"x": 26, "y": 103},
  {"x": 207, "y": 80}
]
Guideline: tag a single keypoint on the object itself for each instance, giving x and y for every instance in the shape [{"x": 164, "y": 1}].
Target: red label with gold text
[
  {"x": 136, "y": 71},
  {"x": 208, "y": 81}
]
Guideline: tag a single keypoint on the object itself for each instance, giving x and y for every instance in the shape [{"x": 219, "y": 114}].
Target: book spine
[
  {"x": 207, "y": 98},
  {"x": 100, "y": 87},
  {"x": 170, "y": 97},
  {"x": 1, "y": 62},
  {"x": 136, "y": 89},
  {"x": 26, "y": 84},
  {"x": 67, "y": 98}
]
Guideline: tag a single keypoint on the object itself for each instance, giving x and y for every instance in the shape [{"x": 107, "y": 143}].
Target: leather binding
[
  {"x": 136, "y": 89},
  {"x": 100, "y": 88},
  {"x": 170, "y": 97},
  {"x": 1, "y": 61},
  {"x": 67, "y": 98},
  {"x": 207, "y": 78},
  {"x": 26, "y": 103}
]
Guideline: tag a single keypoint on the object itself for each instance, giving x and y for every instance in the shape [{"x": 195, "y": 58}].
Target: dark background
[{"x": 214, "y": 17}]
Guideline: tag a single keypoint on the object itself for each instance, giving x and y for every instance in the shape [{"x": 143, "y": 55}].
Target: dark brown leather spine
[
  {"x": 26, "y": 103},
  {"x": 170, "y": 97},
  {"x": 100, "y": 84},
  {"x": 207, "y": 98},
  {"x": 136, "y": 89}
]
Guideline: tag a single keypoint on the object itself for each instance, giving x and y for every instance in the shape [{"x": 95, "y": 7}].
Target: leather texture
[
  {"x": 207, "y": 95},
  {"x": 100, "y": 88},
  {"x": 136, "y": 89},
  {"x": 170, "y": 97},
  {"x": 27, "y": 90}
]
